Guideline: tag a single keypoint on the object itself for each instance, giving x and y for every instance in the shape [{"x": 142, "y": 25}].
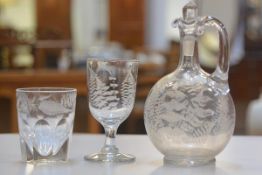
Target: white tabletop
[{"x": 242, "y": 156}]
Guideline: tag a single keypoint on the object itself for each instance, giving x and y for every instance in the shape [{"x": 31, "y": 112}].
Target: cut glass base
[{"x": 188, "y": 162}]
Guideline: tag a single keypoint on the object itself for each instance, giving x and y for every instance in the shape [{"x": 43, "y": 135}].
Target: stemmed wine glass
[{"x": 112, "y": 89}]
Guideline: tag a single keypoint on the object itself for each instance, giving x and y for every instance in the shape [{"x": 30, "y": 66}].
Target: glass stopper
[{"x": 190, "y": 11}]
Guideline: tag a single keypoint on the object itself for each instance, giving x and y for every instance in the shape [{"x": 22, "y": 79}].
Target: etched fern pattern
[
  {"x": 196, "y": 111},
  {"x": 128, "y": 88},
  {"x": 102, "y": 95},
  {"x": 112, "y": 93}
]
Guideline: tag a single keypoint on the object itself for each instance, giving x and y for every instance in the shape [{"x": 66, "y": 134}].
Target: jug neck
[{"x": 188, "y": 52}]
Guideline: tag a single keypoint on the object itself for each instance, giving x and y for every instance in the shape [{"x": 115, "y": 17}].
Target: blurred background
[{"x": 46, "y": 43}]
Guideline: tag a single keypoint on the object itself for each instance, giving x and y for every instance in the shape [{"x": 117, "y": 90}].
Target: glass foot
[
  {"x": 102, "y": 157},
  {"x": 188, "y": 162}
]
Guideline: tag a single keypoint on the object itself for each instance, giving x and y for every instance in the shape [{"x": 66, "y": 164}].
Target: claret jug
[{"x": 189, "y": 114}]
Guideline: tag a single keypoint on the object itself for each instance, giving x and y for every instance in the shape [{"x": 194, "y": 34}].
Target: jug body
[{"x": 188, "y": 119}]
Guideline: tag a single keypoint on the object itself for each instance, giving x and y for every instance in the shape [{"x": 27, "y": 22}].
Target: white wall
[
  {"x": 87, "y": 17},
  {"x": 224, "y": 10},
  {"x": 156, "y": 38}
]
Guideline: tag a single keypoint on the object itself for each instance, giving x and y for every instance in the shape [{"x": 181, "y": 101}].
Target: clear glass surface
[
  {"x": 189, "y": 114},
  {"x": 112, "y": 88},
  {"x": 45, "y": 118}
]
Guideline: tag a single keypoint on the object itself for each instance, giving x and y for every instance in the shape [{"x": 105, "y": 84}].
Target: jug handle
[{"x": 221, "y": 71}]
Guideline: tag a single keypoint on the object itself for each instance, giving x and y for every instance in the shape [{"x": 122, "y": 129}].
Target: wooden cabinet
[
  {"x": 53, "y": 33},
  {"x": 53, "y": 19},
  {"x": 127, "y": 18}
]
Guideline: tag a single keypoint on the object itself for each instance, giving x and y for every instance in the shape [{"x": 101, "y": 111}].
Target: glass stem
[
  {"x": 110, "y": 136},
  {"x": 110, "y": 145}
]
